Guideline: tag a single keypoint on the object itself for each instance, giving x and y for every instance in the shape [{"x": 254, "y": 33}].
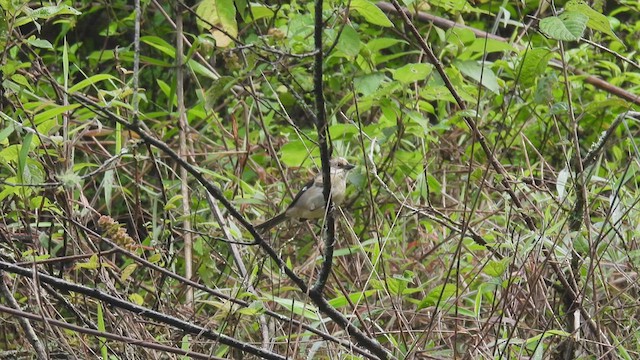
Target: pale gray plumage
[{"x": 309, "y": 203}]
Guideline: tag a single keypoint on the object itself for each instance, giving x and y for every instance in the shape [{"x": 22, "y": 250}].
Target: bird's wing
[{"x": 311, "y": 194}]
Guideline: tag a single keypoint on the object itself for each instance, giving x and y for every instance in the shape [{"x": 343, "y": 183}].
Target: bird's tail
[{"x": 265, "y": 226}]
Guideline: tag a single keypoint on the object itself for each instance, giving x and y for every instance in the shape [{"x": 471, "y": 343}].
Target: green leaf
[
  {"x": 568, "y": 26},
  {"x": 202, "y": 70},
  {"x": 299, "y": 308},
  {"x": 485, "y": 46},
  {"x": 53, "y": 113},
  {"x": 159, "y": 44},
  {"x": 412, "y": 72},
  {"x": 597, "y": 21},
  {"x": 126, "y": 273},
  {"x": 442, "y": 292},
  {"x": 22, "y": 158},
  {"x": 496, "y": 268},
  {"x": 341, "y": 301},
  {"x": 349, "y": 42},
  {"x": 47, "y": 12},
  {"x": 221, "y": 14},
  {"x": 296, "y": 151},
  {"x": 22, "y": 80},
  {"x": 534, "y": 64},
  {"x": 40, "y": 43},
  {"x": 92, "y": 264},
  {"x": 136, "y": 299},
  {"x": 371, "y": 13},
  {"x": 474, "y": 70},
  {"x": 155, "y": 258},
  {"x": 102, "y": 328},
  {"x": 368, "y": 84},
  {"x": 258, "y": 12},
  {"x": 91, "y": 81}
]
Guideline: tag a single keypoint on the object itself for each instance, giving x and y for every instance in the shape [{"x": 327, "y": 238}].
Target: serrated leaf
[
  {"x": 371, "y": 13},
  {"x": 597, "y": 21},
  {"x": 568, "y": 26}
]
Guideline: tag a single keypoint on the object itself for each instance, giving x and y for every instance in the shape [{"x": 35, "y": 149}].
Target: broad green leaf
[
  {"x": 126, "y": 273},
  {"x": 186, "y": 344},
  {"x": 568, "y": 26},
  {"x": 221, "y": 14},
  {"x": 40, "y": 43},
  {"x": 534, "y": 64},
  {"x": 440, "y": 292},
  {"x": 202, "y": 70},
  {"x": 258, "y": 12},
  {"x": 159, "y": 44},
  {"x": 375, "y": 45},
  {"x": 155, "y": 258},
  {"x": 412, "y": 72},
  {"x": 485, "y": 46},
  {"x": 22, "y": 80},
  {"x": 41, "y": 202},
  {"x": 296, "y": 151},
  {"x": 349, "y": 42},
  {"x": 47, "y": 12},
  {"x": 136, "y": 299},
  {"x": 91, "y": 264},
  {"x": 496, "y": 268},
  {"x": 5, "y": 132},
  {"x": 371, "y": 13},
  {"x": 474, "y": 70},
  {"x": 368, "y": 84},
  {"x": 597, "y": 21},
  {"x": 546, "y": 334}
]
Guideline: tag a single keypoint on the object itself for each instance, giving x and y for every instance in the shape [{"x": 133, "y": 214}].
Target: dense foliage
[{"x": 493, "y": 212}]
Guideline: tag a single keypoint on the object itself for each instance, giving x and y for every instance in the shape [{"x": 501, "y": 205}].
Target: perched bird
[{"x": 309, "y": 203}]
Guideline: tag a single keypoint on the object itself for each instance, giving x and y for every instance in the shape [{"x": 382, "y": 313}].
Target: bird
[{"x": 309, "y": 202}]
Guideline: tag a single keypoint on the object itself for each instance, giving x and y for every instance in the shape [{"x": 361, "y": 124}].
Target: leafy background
[{"x": 493, "y": 212}]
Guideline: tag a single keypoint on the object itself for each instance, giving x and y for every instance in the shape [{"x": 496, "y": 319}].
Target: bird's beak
[{"x": 349, "y": 166}]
